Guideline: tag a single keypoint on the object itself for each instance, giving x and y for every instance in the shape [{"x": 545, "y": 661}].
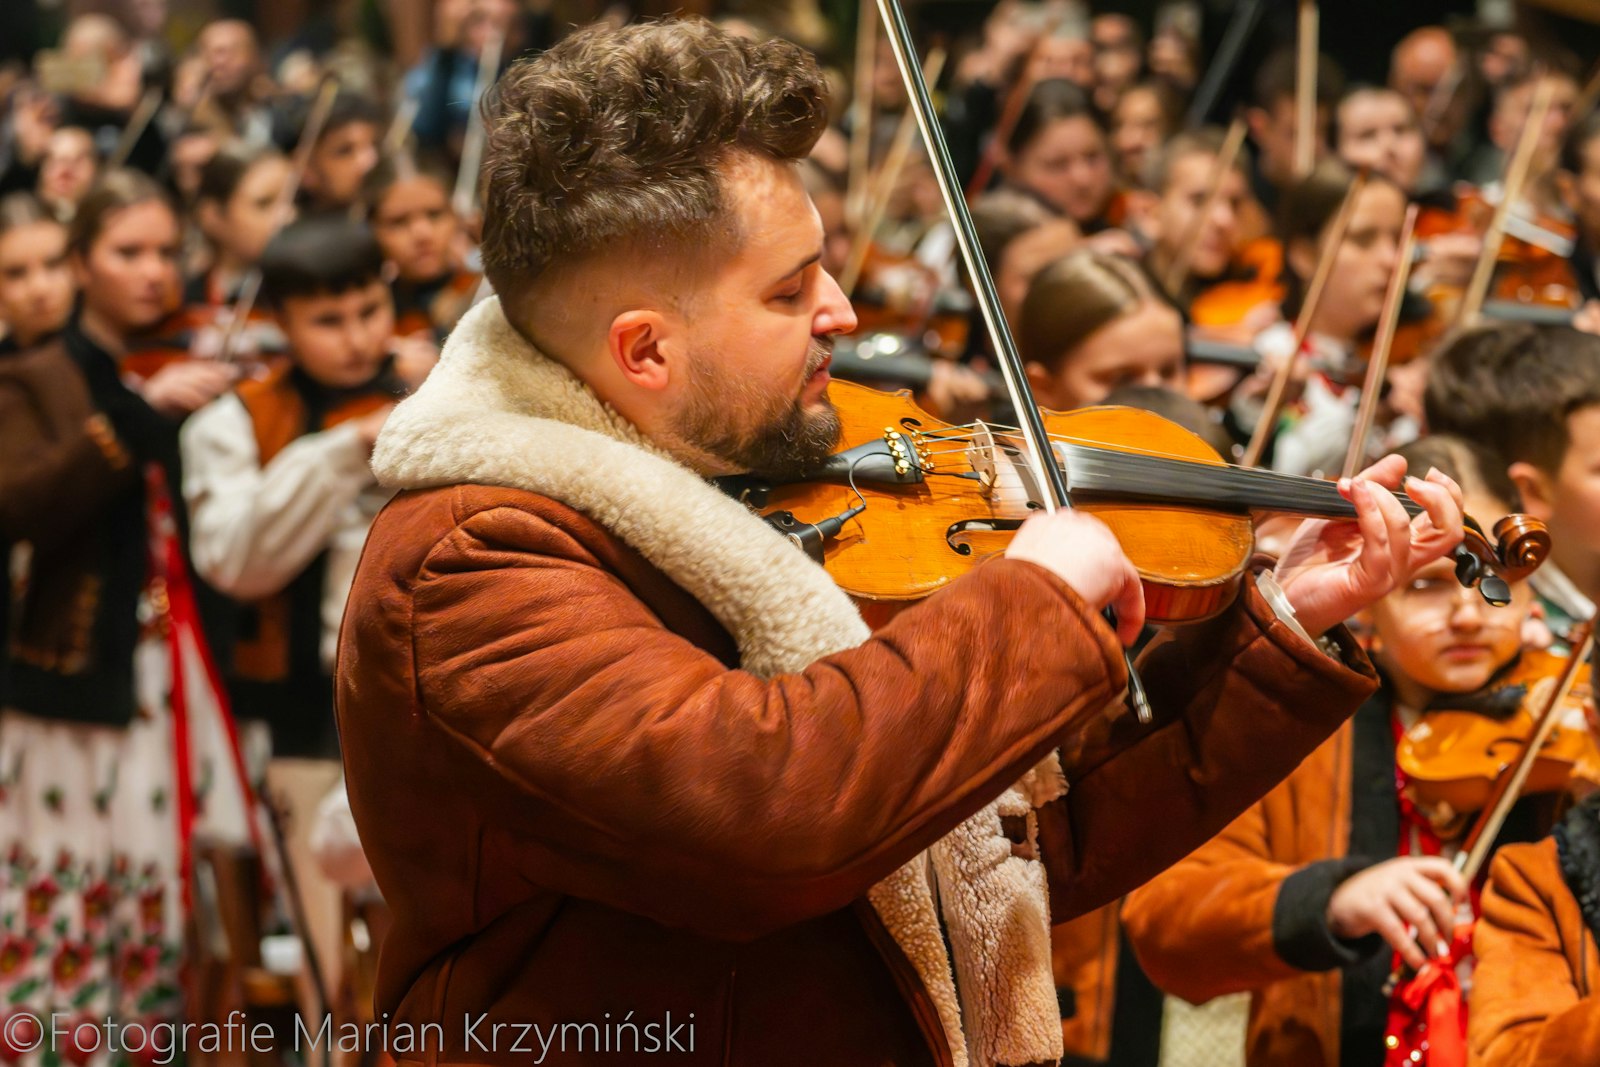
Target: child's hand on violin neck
[
  {"x": 1410, "y": 901},
  {"x": 1332, "y": 569},
  {"x": 1083, "y": 552}
]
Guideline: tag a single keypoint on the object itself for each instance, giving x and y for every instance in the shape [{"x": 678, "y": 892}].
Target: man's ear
[
  {"x": 1535, "y": 487},
  {"x": 642, "y": 344}
]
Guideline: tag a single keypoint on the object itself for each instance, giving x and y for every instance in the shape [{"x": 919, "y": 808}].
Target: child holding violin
[
  {"x": 98, "y": 815},
  {"x": 281, "y": 496},
  {"x": 1312, "y": 897},
  {"x": 1058, "y": 152},
  {"x": 409, "y": 211},
  {"x": 1316, "y": 431}
]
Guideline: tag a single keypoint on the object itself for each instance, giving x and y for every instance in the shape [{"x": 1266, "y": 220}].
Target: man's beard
[{"x": 786, "y": 442}]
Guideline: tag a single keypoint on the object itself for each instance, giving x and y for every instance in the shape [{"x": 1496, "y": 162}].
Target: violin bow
[
  {"x": 465, "y": 197},
  {"x": 881, "y": 189},
  {"x": 1508, "y": 787},
  {"x": 1227, "y": 157},
  {"x": 1475, "y": 849},
  {"x": 316, "y": 119},
  {"x": 1378, "y": 365},
  {"x": 1305, "y": 88},
  {"x": 1516, "y": 176},
  {"x": 855, "y": 196},
  {"x": 138, "y": 122},
  {"x": 1039, "y": 453},
  {"x": 1279, "y": 390}
]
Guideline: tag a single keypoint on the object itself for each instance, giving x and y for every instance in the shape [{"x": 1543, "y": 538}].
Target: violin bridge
[{"x": 980, "y": 454}]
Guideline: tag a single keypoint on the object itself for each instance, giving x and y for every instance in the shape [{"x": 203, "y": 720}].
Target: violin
[
  {"x": 199, "y": 331},
  {"x": 1255, "y": 278},
  {"x": 913, "y": 503},
  {"x": 901, "y": 294},
  {"x": 1451, "y": 759},
  {"x": 434, "y": 310}
]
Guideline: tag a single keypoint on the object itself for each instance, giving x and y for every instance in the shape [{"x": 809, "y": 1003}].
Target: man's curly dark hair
[{"x": 615, "y": 139}]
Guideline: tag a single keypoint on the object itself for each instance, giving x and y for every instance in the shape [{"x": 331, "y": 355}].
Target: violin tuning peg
[{"x": 1495, "y": 590}]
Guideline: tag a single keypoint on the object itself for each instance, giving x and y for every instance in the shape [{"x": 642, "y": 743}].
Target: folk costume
[
  {"x": 115, "y": 748},
  {"x": 613, "y": 745},
  {"x": 1534, "y": 1001}
]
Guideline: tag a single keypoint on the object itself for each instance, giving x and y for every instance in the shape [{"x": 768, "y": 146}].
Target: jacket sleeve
[
  {"x": 253, "y": 528},
  {"x": 1239, "y": 701},
  {"x": 1526, "y": 1007},
  {"x": 659, "y": 781},
  {"x": 46, "y": 445}
]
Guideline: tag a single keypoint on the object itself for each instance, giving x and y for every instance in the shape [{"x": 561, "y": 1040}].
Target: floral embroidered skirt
[{"x": 91, "y": 853}]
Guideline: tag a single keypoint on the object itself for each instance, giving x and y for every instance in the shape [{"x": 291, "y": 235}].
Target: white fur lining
[{"x": 497, "y": 412}]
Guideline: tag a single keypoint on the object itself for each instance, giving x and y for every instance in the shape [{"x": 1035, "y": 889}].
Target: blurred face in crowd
[
  {"x": 1353, "y": 298},
  {"x": 415, "y": 227},
  {"x": 130, "y": 270},
  {"x": 1378, "y": 129},
  {"x": 1117, "y": 57},
  {"x": 230, "y": 57},
  {"x": 1513, "y": 108},
  {"x": 340, "y": 162},
  {"x": 1138, "y": 127},
  {"x": 340, "y": 340},
  {"x": 1421, "y": 65},
  {"x": 241, "y": 227},
  {"x": 1142, "y": 347},
  {"x": 68, "y": 167},
  {"x": 1272, "y": 130},
  {"x": 35, "y": 281},
  {"x": 1059, "y": 56},
  {"x": 1188, "y": 183},
  {"x": 1436, "y": 636},
  {"x": 1068, "y": 166},
  {"x": 1025, "y": 255}
]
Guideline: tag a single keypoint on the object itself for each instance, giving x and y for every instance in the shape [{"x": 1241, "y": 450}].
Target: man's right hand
[
  {"x": 1082, "y": 551},
  {"x": 1411, "y": 901}
]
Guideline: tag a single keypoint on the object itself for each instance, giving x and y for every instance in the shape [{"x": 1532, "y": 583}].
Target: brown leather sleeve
[
  {"x": 661, "y": 782},
  {"x": 1239, "y": 701},
  {"x": 58, "y": 460},
  {"x": 1526, "y": 1008},
  {"x": 1204, "y": 928}
]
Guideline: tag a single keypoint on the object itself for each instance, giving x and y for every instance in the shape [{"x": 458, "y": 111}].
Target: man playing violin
[{"x": 622, "y": 758}]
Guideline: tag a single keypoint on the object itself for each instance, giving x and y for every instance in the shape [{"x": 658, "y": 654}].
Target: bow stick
[
  {"x": 465, "y": 197},
  {"x": 855, "y": 198},
  {"x": 1039, "y": 453},
  {"x": 1178, "y": 272},
  {"x": 1305, "y": 89},
  {"x": 138, "y": 122},
  {"x": 1378, "y": 365},
  {"x": 1276, "y": 395}
]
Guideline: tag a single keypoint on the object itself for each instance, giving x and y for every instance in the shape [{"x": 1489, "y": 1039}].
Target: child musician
[
  {"x": 1310, "y": 898},
  {"x": 36, "y": 289},
  {"x": 96, "y": 809},
  {"x": 281, "y": 497},
  {"x": 410, "y": 214}
]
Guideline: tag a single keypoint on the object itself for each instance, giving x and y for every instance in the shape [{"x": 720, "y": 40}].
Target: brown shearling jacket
[{"x": 579, "y": 807}]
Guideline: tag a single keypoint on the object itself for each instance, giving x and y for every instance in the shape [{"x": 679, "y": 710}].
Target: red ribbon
[{"x": 1428, "y": 1014}]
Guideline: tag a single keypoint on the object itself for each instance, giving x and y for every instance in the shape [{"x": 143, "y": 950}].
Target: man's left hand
[{"x": 1333, "y": 569}]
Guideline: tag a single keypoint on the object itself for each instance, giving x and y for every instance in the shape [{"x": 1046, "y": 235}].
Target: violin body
[
  {"x": 916, "y": 537},
  {"x": 1452, "y": 759},
  {"x": 1255, "y": 278},
  {"x": 197, "y": 332}
]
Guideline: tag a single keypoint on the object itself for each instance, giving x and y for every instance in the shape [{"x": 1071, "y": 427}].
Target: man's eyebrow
[{"x": 802, "y": 265}]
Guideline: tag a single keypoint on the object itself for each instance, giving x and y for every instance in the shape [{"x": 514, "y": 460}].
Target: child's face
[
  {"x": 1568, "y": 501},
  {"x": 35, "y": 281},
  {"x": 340, "y": 340},
  {"x": 129, "y": 275},
  {"x": 254, "y": 211},
  {"x": 1435, "y": 633},
  {"x": 340, "y": 162},
  {"x": 415, "y": 227}
]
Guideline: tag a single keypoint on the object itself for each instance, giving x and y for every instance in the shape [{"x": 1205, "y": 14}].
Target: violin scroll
[{"x": 1521, "y": 543}]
